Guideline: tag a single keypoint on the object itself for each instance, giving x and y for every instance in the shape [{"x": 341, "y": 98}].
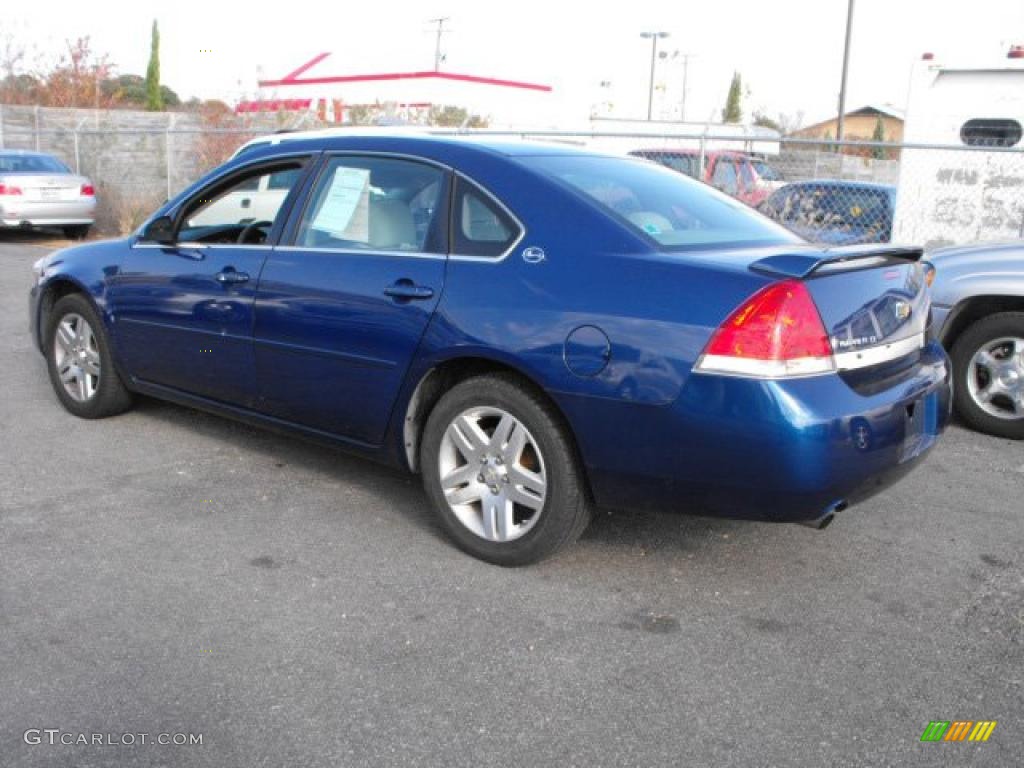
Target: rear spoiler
[{"x": 803, "y": 265}]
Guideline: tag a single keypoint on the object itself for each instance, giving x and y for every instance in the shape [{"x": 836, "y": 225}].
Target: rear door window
[{"x": 375, "y": 204}]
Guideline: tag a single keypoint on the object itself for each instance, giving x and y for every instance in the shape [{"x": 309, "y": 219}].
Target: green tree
[
  {"x": 451, "y": 116},
  {"x": 154, "y": 95},
  {"x": 733, "y": 113},
  {"x": 879, "y": 135},
  {"x": 764, "y": 121}
]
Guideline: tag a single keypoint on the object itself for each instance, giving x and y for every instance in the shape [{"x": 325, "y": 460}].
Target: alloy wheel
[
  {"x": 77, "y": 357},
  {"x": 995, "y": 378},
  {"x": 492, "y": 474}
]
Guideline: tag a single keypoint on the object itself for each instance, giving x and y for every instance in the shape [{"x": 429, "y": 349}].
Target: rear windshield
[
  {"x": 852, "y": 202},
  {"x": 31, "y": 164},
  {"x": 675, "y": 212}
]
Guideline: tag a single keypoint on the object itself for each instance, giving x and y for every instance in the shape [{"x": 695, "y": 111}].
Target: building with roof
[
  {"x": 859, "y": 125},
  {"x": 400, "y": 96}
]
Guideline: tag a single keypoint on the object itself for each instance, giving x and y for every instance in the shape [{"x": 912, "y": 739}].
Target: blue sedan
[{"x": 538, "y": 331}]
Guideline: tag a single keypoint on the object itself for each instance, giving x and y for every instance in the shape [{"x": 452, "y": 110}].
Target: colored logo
[{"x": 958, "y": 730}]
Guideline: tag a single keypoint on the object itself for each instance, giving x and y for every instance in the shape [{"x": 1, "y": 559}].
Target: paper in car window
[{"x": 344, "y": 211}]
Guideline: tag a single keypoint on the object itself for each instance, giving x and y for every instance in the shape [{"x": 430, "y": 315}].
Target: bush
[{"x": 120, "y": 212}]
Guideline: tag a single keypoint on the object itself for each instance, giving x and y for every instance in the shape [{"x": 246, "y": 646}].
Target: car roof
[
  {"x": 504, "y": 145},
  {"x": 435, "y": 145}
]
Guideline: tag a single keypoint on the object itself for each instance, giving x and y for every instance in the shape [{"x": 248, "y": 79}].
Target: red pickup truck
[{"x": 746, "y": 178}]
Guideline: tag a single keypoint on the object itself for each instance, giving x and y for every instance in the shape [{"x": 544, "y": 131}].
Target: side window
[
  {"x": 245, "y": 206},
  {"x": 480, "y": 226},
  {"x": 746, "y": 173},
  {"x": 375, "y": 204},
  {"x": 991, "y": 132},
  {"x": 724, "y": 176}
]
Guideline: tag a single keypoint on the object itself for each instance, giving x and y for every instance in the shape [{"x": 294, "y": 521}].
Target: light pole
[
  {"x": 846, "y": 65},
  {"x": 654, "y": 37},
  {"x": 686, "y": 74}
]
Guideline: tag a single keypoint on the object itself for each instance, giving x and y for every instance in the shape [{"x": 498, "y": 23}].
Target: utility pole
[
  {"x": 654, "y": 37},
  {"x": 686, "y": 73},
  {"x": 846, "y": 67},
  {"x": 437, "y": 43}
]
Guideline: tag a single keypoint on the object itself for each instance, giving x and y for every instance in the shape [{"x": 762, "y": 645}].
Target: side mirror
[{"x": 160, "y": 230}]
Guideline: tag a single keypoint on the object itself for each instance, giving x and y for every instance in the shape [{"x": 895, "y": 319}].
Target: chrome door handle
[
  {"x": 229, "y": 276},
  {"x": 408, "y": 290}
]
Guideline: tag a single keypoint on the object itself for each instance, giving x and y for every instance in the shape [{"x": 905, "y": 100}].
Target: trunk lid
[
  {"x": 873, "y": 299},
  {"x": 46, "y": 186}
]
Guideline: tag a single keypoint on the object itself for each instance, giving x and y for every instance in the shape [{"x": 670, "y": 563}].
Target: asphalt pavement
[{"x": 168, "y": 572}]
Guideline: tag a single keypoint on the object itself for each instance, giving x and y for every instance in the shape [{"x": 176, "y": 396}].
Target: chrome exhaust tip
[{"x": 826, "y": 519}]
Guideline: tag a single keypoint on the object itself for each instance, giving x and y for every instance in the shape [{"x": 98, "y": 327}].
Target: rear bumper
[
  {"x": 785, "y": 451},
  {"x": 36, "y": 213}
]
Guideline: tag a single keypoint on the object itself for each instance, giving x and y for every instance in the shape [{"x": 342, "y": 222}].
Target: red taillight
[
  {"x": 8, "y": 189},
  {"x": 776, "y": 333},
  {"x": 88, "y": 190}
]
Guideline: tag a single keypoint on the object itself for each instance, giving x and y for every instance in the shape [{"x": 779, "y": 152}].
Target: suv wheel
[{"x": 988, "y": 363}]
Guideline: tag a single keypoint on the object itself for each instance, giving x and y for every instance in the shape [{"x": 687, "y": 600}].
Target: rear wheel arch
[
  {"x": 969, "y": 311},
  {"x": 442, "y": 377}
]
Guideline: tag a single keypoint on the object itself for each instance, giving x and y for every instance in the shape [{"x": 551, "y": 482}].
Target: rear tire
[
  {"x": 80, "y": 362},
  {"x": 972, "y": 384},
  {"x": 513, "y": 492},
  {"x": 76, "y": 232}
]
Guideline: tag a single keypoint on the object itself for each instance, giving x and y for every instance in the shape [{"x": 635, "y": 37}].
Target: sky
[{"x": 788, "y": 52}]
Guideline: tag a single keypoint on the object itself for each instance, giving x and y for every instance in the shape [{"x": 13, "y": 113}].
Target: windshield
[
  {"x": 674, "y": 211},
  {"x": 765, "y": 171},
  {"x": 31, "y": 164}
]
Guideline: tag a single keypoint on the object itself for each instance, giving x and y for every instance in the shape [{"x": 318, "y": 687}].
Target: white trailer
[{"x": 974, "y": 191}]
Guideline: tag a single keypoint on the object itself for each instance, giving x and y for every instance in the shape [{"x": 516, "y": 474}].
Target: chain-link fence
[
  {"x": 849, "y": 192},
  {"x": 826, "y": 191}
]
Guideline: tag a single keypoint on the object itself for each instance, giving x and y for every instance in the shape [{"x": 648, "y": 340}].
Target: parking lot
[{"x": 167, "y": 571}]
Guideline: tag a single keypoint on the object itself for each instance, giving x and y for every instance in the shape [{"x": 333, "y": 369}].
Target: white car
[
  {"x": 38, "y": 190},
  {"x": 261, "y": 199},
  {"x": 256, "y": 200}
]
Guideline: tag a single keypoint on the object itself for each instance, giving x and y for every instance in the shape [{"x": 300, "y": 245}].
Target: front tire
[
  {"x": 502, "y": 473},
  {"x": 988, "y": 365},
  {"x": 80, "y": 362}
]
